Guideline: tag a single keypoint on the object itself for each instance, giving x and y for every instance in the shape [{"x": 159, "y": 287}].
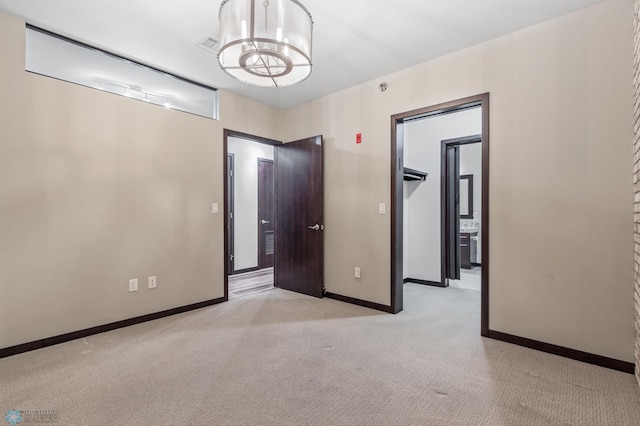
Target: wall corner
[{"x": 636, "y": 177}]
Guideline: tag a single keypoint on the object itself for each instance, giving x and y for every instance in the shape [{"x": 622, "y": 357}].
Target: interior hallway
[
  {"x": 250, "y": 283},
  {"x": 470, "y": 279},
  {"x": 282, "y": 358}
]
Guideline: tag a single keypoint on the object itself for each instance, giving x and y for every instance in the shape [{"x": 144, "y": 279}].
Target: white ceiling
[{"x": 354, "y": 40}]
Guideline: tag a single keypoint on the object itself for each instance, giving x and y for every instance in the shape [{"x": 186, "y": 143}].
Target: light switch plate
[
  {"x": 214, "y": 208},
  {"x": 382, "y": 208},
  {"x": 133, "y": 285}
]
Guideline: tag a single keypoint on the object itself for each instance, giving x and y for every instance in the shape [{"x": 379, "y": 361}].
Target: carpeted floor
[{"x": 282, "y": 358}]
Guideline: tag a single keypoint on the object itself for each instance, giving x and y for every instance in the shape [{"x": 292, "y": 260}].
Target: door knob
[
  {"x": 315, "y": 227},
  {"x": 264, "y": 222}
]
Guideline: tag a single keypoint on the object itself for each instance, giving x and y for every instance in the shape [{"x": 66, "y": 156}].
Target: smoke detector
[{"x": 210, "y": 43}]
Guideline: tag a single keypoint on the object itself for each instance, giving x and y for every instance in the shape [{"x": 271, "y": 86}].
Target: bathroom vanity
[{"x": 468, "y": 249}]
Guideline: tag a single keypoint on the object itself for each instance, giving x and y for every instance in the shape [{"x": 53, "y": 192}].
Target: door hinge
[
  {"x": 231, "y": 173},
  {"x": 230, "y": 257},
  {"x": 231, "y": 215}
]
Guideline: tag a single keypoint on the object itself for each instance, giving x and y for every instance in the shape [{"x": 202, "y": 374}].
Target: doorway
[
  {"x": 250, "y": 205},
  {"x": 283, "y": 191},
  {"x": 461, "y": 201},
  {"x": 398, "y": 128}
]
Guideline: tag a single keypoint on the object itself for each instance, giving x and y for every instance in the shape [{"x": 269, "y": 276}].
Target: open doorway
[
  {"x": 250, "y": 213},
  {"x": 283, "y": 189},
  {"x": 399, "y": 172}
]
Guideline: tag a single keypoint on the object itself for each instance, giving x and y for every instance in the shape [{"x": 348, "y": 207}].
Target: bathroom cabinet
[{"x": 468, "y": 249}]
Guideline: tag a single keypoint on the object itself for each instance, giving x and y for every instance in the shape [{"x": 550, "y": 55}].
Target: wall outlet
[
  {"x": 152, "y": 282},
  {"x": 133, "y": 285},
  {"x": 356, "y": 272}
]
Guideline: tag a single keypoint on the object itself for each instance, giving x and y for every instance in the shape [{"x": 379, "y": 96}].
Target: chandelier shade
[{"x": 265, "y": 42}]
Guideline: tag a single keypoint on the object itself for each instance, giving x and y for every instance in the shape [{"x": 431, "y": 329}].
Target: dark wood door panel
[
  {"x": 266, "y": 219},
  {"x": 451, "y": 210},
  {"x": 300, "y": 221},
  {"x": 230, "y": 214}
]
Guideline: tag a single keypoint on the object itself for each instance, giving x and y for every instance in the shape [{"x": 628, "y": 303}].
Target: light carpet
[{"x": 279, "y": 358}]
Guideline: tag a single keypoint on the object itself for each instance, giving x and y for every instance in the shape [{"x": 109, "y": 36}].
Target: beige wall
[
  {"x": 96, "y": 189},
  {"x": 560, "y": 188}
]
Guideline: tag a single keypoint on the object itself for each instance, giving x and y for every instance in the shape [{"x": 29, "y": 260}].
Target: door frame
[
  {"x": 445, "y": 242},
  {"x": 226, "y": 134},
  {"x": 449, "y": 185},
  {"x": 397, "y": 164},
  {"x": 261, "y": 233},
  {"x": 229, "y": 210}
]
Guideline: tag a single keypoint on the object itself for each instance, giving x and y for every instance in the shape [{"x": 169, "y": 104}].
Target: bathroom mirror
[{"x": 466, "y": 197}]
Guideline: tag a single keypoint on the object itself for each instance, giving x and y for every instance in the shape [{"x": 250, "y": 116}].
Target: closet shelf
[{"x": 412, "y": 174}]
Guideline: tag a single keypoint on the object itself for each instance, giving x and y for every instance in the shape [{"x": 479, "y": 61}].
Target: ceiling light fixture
[{"x": 265, "y": 42}]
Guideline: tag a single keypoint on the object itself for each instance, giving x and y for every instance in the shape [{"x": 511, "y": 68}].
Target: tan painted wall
[
  {"x": 96, "y": 189},
  {"x": 560, "y": 192}
]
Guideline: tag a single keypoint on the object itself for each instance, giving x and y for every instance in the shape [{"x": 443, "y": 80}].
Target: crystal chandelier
[{"x": 265, "y": 42}]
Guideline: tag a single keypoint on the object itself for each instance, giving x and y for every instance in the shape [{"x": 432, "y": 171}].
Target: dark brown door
[
  {"x": 299, "y": 262},
  {"x": 229, "y": 203},
  {"x": 266, "y": 242},
  {"x": 451, "y": 190}
]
